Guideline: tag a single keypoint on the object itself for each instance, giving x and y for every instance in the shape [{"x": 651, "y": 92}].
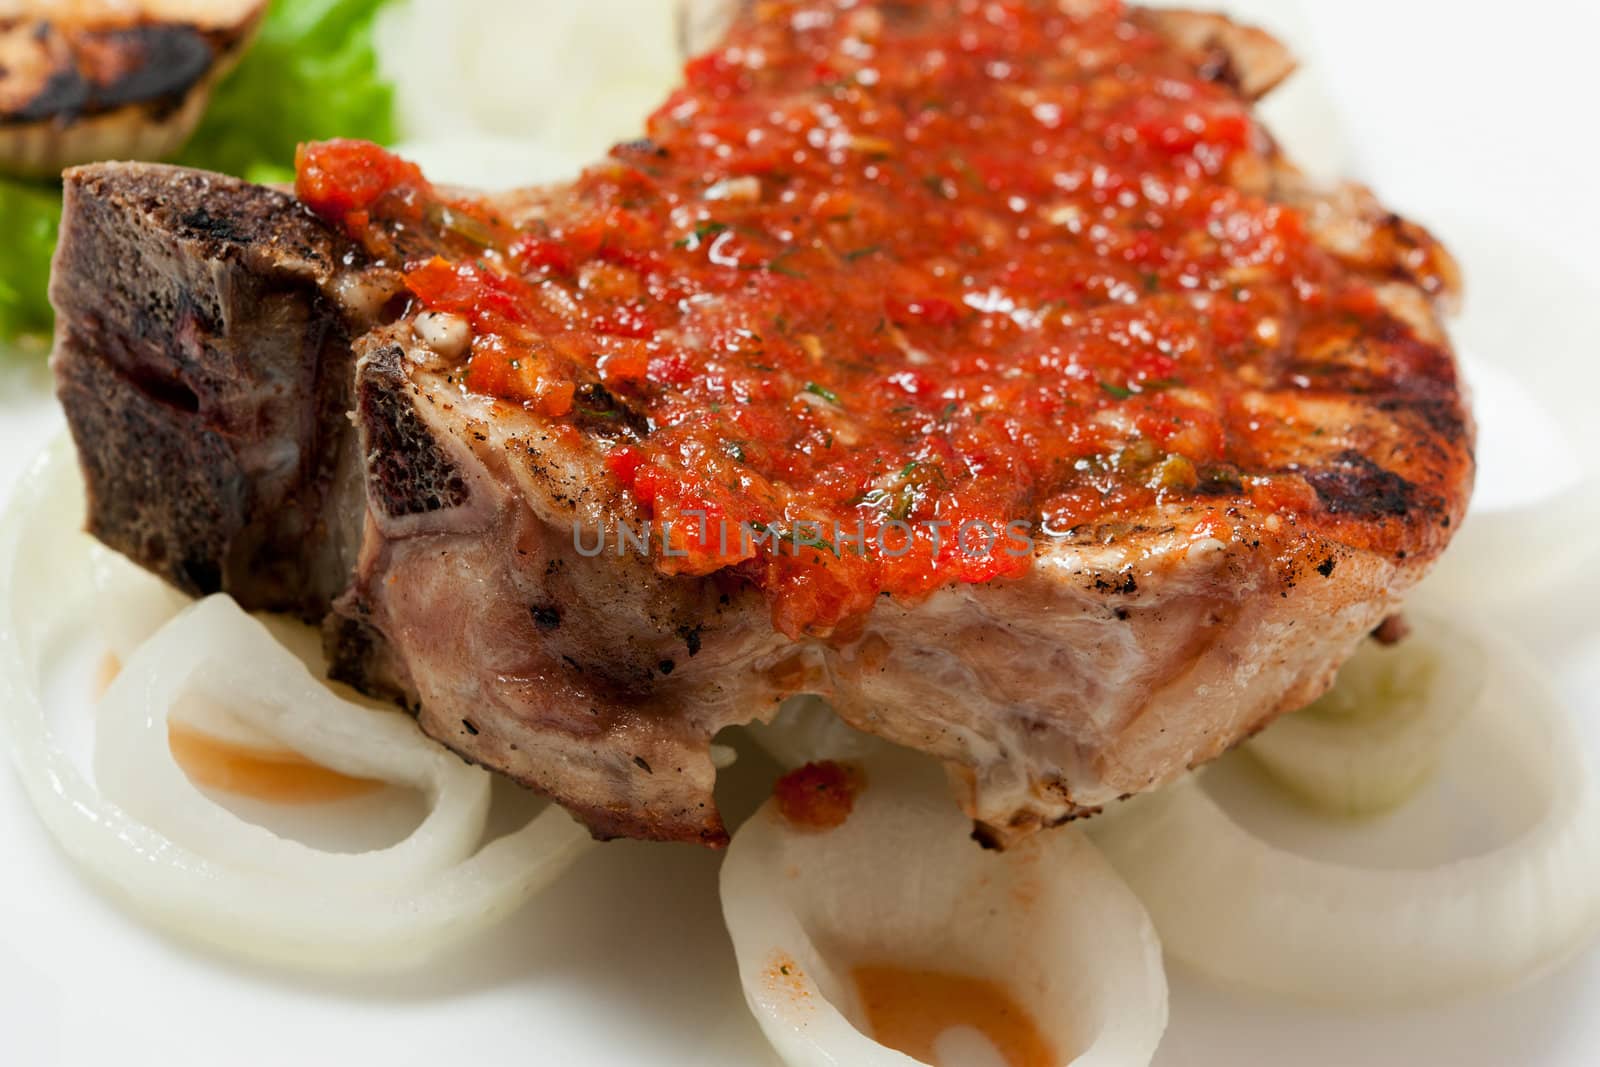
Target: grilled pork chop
[{"x": 1031, "y": 269}]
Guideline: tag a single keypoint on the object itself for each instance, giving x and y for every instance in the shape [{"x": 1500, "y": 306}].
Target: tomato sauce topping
[
  {"x": 818, "y": 796},
  {"x": 881, "y": 273}
]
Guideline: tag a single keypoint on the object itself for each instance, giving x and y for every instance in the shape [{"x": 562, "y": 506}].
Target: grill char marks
[
  {"x": 1356, "y": 486},
  {"x": 599, "y": 412},
  {"x": 1247, "y": 60},
  {"x": 102, "y": 70},
  {"x": 101, "y": 82}
]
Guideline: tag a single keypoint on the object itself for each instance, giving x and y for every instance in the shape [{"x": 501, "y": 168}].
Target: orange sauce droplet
[
  {"x": 277, "y": 776},
  {"x": 908, "y": 1010},
  {"x": 106, "y": 674}
]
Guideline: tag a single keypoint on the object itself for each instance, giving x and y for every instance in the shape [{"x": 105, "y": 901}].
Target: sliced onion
[
  {"x": 285, "y": 907},
  {"x": 1530, "y": 532},
  {"x": 703, "y": 23},
  {"x": 214, "y": 649},
  {"x": 463, "y": 68},
  {"x": 1372, "y": 741},
  {"x": 132, "y": 604},
  {"x": 1525, "y": 554},
  {"x": 902, "y": 883},
  {"x": 1247, "y": 913},
  {"x": 806, "y": 730}
]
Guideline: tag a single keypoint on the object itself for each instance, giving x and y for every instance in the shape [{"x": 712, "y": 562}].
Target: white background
[{"x": 1479, "y": 119}]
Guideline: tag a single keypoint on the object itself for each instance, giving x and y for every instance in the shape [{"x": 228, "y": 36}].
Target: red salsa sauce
[
  {"x": 818, "y": 796},
  {"x": 889, "y": 263}
]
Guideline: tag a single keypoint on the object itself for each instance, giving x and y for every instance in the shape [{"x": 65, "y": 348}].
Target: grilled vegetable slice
[{"x": 90, "y": 81}]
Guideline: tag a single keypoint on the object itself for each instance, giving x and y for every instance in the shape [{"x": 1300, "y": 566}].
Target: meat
[
  {"x": 1233, "y": 431},
  {"x": 103, "y": 80}
]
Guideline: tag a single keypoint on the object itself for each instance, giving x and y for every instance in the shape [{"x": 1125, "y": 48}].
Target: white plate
[{"x": 1461, "y": 122}]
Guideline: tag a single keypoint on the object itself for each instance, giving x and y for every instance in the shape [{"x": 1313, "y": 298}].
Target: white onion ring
[
  {"x": 1249, "y": 914},
  {"x": 1529, "y": 551},
  {"x": 1371, "y": 742},
  {"x": 902, "y": 882},
  {"x": 132, "y": 604},
  {"x": 285, "y": 917},
  {"x": 461, "y": 71},
  {"x": 1522, "y": 555},
  {"x": 806, "y": 730},
  {"x": 216, "y": 649}
]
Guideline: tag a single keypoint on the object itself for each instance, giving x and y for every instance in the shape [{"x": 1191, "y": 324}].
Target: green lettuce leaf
[
  {"x": 29, "y": 219},
  {"x": 312, "y": 74}
]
